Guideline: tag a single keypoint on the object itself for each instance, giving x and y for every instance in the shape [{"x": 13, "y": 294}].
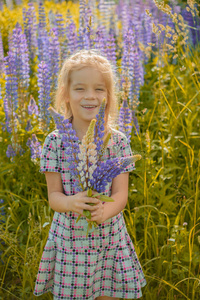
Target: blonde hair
[{"x": 77, "y": 61}]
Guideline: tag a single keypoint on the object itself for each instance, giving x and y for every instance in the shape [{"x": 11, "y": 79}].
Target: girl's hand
[
  {"x": 78, "y": 203},
  {"x": 97, "y": 213}
]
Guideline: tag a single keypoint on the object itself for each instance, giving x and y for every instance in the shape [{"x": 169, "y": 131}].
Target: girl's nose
[{"x": 90, "y": 94}]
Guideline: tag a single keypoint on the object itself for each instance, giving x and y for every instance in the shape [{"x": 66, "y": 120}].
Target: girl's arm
[
  {"x": 59, "y": 202},
  {"x": 119, "y": 194}
]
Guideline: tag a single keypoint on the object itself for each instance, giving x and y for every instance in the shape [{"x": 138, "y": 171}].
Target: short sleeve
[
  {"x": 49, "y": 161},
  {"x": 124, "y": 150}
]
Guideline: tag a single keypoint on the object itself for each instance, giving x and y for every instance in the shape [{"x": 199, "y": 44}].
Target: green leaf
[
  {"x": 106, "y": 198},
  {"x": 87, "y": 214},
  {"x": 78, "y": 218},
  {"x": 96, "y": 195}
]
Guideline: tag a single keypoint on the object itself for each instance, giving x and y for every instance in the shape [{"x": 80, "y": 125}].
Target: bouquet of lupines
[{"x": 91, "y": 173}]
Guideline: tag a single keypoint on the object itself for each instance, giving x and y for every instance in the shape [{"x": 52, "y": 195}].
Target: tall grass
[{"x": 163, "y": 211}]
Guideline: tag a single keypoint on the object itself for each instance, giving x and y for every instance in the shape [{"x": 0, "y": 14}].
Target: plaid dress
[{"x": 74, "y": 266}]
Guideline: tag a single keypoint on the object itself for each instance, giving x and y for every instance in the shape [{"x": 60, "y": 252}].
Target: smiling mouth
[{"x": 89, "y": 106}]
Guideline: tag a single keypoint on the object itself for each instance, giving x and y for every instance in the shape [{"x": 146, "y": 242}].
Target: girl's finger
[
  {"x": 91, "y": 207},
  {"x": 91, "y": 200}
]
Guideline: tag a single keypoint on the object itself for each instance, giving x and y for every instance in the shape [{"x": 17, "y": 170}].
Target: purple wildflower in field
[
  {"x": 111, "y": 49},
  {"x": 2, "y": 67},
  {"x": 137, "y": 77},
  {"x": 20, "y": 51},
  {"x": 8, "y": 113},
  {"x": 16, "y": 69},
  {"x": 59, "y": 23},
  {"x": 11, "y": 83},
  {"x": 108, "y": 170},
  {"x": 125, "y": 119},
  {"x": 69, "y": 140},
  {"x": 10, "y": 152},
  {"x": 194, "y": 23},
  {"x": 54, "y": 57},
  {"x": 100, "y": 40},
  {"x": 100, "y": 127},
  {"x": 30, "y": 29},
  {"x": 43, "y": 38},
  {"x": 81, "y": 39},
  {"x": 44, "y": 95},
  {"x": 72, "y": 44},
  {"x": 35, "y": 147},
  {"x": 28, "y": 125},
  {"x": 32, "y": 107},
  {"x": 60, "y": 39}
]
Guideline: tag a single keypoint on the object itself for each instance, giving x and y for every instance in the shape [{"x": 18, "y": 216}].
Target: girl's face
[{"x": 86, "y": 91}]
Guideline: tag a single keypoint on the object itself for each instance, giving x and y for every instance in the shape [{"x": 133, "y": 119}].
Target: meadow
[{"x": 154, "y": 47}]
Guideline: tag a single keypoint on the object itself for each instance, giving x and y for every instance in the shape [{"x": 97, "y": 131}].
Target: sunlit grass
[{"x": 163, "y": 211}]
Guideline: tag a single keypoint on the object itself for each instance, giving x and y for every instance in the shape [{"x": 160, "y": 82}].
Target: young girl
[{"x": 102, "y": 265}]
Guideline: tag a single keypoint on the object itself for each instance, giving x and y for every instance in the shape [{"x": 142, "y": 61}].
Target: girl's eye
[
  {"x": 100, "y": 90},
  {"x": 79, "y": 89}
]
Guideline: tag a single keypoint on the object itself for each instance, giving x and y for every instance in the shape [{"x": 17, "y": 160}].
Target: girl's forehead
[{"x": 87, "y": 74}]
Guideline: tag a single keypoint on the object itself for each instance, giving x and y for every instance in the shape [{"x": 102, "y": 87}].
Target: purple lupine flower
[
  {"x": 72, "y": 44},
  {"x": 28, "y": 125},
  {"x": 15, "y": 73},
  {"x": 30, "y": 29},
  {"x": 20, "y": 52},
  {"x": 60, "y": 38},
  {"x": 69, "y": 140},
  {"x": 100, "y": 126},
  {"x": 137, "y": 77},
  {"x": 35, "y": 147},
  {"x": 111, "y": 49},
  {"x": 10, "y": 152},
  {"x": 17, "y": 78},
  {"x": 44, "y": 95},
  {"x": 9, "y": 113},
  {"x": 59, "y": 23},
  {"x": 89, "y": 29},
  {"x": 80, "y": 37},
  {"x": 108, "y": 170},
  {"x": 42, "y": 16},
  {"x": 100, "y": 40},
  {"x": 2, "y": 68},
  {"x": 32, "y": 107},
  {"x": 194, "y": 23},
  {"x": 54, "y": 58},
  {"x": 11, "y": 80},
  {"x": 43, "y": 38},
  {"x": 125, "y": 119}
]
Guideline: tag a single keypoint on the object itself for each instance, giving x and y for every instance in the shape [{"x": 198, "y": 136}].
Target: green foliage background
[{"x": 163, "y": 211}]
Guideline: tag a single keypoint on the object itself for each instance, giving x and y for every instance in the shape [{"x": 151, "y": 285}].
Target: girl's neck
[{"x": 80, "y": 128}]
